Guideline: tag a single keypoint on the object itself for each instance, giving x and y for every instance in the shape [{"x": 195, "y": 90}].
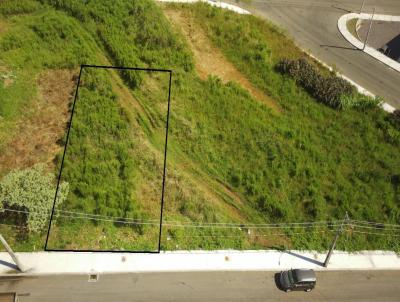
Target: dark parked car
[
  {"x": 297, "y": 279},
  {"x": 392, "y": 49}
]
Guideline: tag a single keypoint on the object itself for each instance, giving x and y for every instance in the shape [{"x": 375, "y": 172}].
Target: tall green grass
[
  {"x": 44, "y": 39},
  {"x": 230, "y": 157},
  {"x": 311, "y": 162}
]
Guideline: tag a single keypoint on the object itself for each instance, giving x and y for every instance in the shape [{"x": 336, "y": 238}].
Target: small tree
[{"x": 32, "y": 190}]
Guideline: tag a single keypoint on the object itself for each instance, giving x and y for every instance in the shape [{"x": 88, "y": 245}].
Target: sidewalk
[{"x": 45, "y": 263}]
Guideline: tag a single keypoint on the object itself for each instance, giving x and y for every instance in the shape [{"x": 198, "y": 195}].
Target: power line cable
[
  {"x": 246, "y": 235},
  {"x": 376, "y": 223},
  {"x": 315, "y": 224},
  {"x": 199, "y": 224},
  {"x": 374, "y": 227},
  {"x": 373, "y": 233}
]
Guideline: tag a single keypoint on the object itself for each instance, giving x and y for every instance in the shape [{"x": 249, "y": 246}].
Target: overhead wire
[
  {"x": 220, "y": 225},
  {"x": 80, "y": 215},
  {"x": 374, "y": 227},
  {"x": 376, "y": 223},
  {"x": 374, "y": 233},
  {"x": 14, "y": 225},
  {"x": 248, "y": 235}
]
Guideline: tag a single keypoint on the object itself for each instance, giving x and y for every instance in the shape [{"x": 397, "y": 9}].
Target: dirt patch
[
  {"x": 3, "y": 26},
  {"x": 36, "y": 137},
  {"x": 210, "y": 60},
  {"x": 6, "y": 76},
  {"x": 8, "y": 82},
  {"x": 268, "y": 241},
  {"x": 8, "y": 79}
]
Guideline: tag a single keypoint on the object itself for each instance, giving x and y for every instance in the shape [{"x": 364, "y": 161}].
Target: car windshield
[{"x": 292, "y": 277}]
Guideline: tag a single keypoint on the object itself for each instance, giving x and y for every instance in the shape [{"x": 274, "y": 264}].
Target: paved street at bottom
[{"x": 204, "y": 286}]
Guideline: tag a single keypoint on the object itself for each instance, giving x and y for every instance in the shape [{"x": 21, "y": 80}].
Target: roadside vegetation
[
  {"x": 330, "y": 90},
  {"x": 231, "y": 158},
  {"x": 352, "y": 27}
]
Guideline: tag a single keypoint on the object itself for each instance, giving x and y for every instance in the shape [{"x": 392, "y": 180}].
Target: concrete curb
[
  {"x": 215, "y": 3},
  {"x": 53, "y": 263},
  {"x": 342, "y": 25}
]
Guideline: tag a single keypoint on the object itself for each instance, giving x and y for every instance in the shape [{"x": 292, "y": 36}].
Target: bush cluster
[
  {"x": 31, "y": 190},
  {"x": 359, "y": 101},
  {"x": 326, "y": 89}
]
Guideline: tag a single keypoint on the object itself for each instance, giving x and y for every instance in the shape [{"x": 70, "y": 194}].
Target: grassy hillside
[{"x": 231, "y": 158}]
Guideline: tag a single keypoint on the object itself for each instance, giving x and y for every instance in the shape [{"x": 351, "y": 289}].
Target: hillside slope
[{"x": 231, "y": 157}]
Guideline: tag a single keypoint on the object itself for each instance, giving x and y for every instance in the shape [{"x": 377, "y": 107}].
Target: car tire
[{"x": 307, "y": 290}]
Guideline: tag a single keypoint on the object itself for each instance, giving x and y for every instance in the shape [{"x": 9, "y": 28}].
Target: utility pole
[
  {"x": 369, "y": 29},
  {"x": 10, "y": 251},
  {"x": 339, "y": 231},
  {"x": 362, "y": 7}
]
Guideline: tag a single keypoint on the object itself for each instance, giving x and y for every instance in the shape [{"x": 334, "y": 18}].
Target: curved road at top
[{"x": 313, "y": 25}]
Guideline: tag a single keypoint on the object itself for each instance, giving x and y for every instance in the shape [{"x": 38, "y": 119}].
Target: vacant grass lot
[{"x": 231, "y": 158}]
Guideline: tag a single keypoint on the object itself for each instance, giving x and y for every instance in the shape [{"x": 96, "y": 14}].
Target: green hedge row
[{"x": 330, "y": 90}]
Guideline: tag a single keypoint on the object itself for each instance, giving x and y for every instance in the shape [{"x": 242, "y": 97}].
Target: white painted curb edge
[
  {"x": 51, "y": 263},
  {"x": 342, "y": 25},
  {"x": 385, "y": 106}
]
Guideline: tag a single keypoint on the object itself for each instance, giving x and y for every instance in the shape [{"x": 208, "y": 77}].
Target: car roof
[{"x": 307, "y": 275}]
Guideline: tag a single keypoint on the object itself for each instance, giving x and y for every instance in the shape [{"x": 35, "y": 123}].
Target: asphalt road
[
  {"x": 313, "y": 25},
  {"x": 337, "y": 286}
]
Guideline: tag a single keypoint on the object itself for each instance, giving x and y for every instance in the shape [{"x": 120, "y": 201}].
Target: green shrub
[
  {"x": 326, "y": 89},
  {"x": 359, "y": 101},
  {"x": 32, "y": 190}
]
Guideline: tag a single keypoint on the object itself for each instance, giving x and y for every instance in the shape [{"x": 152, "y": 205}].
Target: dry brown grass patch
[
  {"x": 210, "y": 60},
  {"x": 3, "y": 26},
  {"x": 35, "y": 140},
  {"x": 6, "y": 75}
]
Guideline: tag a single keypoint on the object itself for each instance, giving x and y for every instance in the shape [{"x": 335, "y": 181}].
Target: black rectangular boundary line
[
  {"x": 65, "y": 150},
  {"x": 165, "y": 162},
  {"x": 128, "y": 68}
]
